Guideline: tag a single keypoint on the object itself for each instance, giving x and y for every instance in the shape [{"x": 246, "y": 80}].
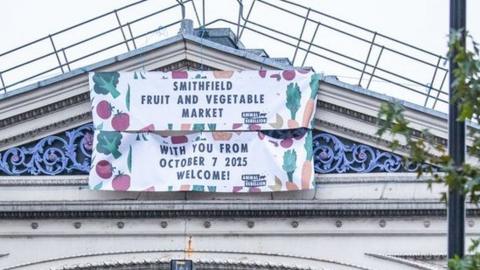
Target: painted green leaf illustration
[
  {"x": 127, "y": 98},
  {"x": 198, "y": 127},
  {"x": 129, "y": 159},
  {"x": 293, "y": 99},
  {"x": 135, "y": 75},
  {"x": 106, "y": 83},
  {"x": 212, "y": 127},
  {"x": 309, "y": 145},
  {"x": 99, "y": 127},
  {"x": 290, "y": 163},
  {"x": 199, "y": 188},
  {"x": 314, "y": 82},
  {"x": 98, "y": 186},
  {"x": 108, "y": 143}
]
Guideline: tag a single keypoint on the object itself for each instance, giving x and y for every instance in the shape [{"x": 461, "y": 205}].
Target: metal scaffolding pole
[{"x": 456, "y": 145}]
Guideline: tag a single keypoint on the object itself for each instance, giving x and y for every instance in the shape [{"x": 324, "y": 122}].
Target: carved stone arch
[{"x": 203, "y": 260}]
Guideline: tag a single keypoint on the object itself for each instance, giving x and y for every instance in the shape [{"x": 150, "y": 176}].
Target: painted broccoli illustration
[
  {"x": 293, "y": 99},
  {"x": 290, "y": 163},
  {"x": 108, "y": 142},
  {"x": 310, "y": 106},
  {"x": 293, "y": 103},
  {"x": 106, "y": 83},
  {"x": 307, "y": 168}
]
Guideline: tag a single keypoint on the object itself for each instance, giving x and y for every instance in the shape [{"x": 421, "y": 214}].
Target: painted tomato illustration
[
  {"x": 104, "y": 109},
  {"x": 179, "y": 139},
  {"x": 120, "y": 121},
  {"x": 254, "y": 127},
  {"x": 121, "y": 182},
  {"x": 286, "y": 143},
  {"x": 179, "y": 74},
  {"x": 262, "y": 73},
  {"x": 288, "y": 75},
  {"x": 221, "y": 136},
  {"x": 104, "y": 169}
]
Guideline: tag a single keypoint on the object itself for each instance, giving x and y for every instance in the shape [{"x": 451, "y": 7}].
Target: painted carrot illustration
[
  {"x": 309, "y": 108},
  {"x": 293, "y": 103},
  {"x": 289, "y": 166},
  {"x": 307, "y": 168},
  {"x": 223, "y": 74}
]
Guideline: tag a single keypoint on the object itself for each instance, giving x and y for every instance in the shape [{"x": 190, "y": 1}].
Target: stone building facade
[{"x": 368, "y": 209}]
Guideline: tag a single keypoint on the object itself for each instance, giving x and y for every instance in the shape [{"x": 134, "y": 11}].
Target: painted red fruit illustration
[
  {"x": 262, "y": 73},
  {"x": 236, "y": 126},
  {"x": 104, "y": 169},
  {"x": 120, "y": 121},
  {"x": 303, "y": 70},
  {"x": 288, "y": 75},
  {"x": 254, "y": 127},
  {"x": 148, "y": 128},
  {"x": 179, "y": 139},
  {"x": 179, "y": 74},
  {"x": 286, "y": 143},
  {"x": 121, "y": 182},
  {"x": 104, "y": 109}
]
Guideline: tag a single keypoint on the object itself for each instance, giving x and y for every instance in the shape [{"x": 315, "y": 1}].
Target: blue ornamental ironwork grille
[{"x": 69, "y": 153}]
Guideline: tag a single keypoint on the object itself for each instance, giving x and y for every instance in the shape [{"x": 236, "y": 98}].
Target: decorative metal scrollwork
[
  {"x": 66, "y": 153},
  {"x": 70, "y": 153},
  {"x": 333, "y": 155}
]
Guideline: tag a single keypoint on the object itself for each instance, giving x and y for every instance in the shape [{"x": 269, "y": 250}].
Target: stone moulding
[{"x": 220, "y": 209}]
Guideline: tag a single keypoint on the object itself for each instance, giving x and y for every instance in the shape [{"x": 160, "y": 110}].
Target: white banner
[
  {"x": 201, "y": 161},
  {"x": 203, "y": 100}
]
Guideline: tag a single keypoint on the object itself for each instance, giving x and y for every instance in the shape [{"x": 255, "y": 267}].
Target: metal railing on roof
[{"x": 367, "y": 56}]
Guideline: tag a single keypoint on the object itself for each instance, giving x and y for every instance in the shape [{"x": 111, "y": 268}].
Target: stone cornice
[
  {"x": 366, "y": 119},
  {"x": 81, "y": 180},
  {"x": 53, "y": 107},
  {"x": 219, "y": 209},
  {"x": 50, "y": 128}
]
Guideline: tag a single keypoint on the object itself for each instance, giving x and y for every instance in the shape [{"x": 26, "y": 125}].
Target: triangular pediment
[{"x": 62, "y": 102}]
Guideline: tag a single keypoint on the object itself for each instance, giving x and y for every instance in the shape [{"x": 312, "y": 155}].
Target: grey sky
[
  {"x": 423, "y": 23},
  {"x": 420, "y": 22}
]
